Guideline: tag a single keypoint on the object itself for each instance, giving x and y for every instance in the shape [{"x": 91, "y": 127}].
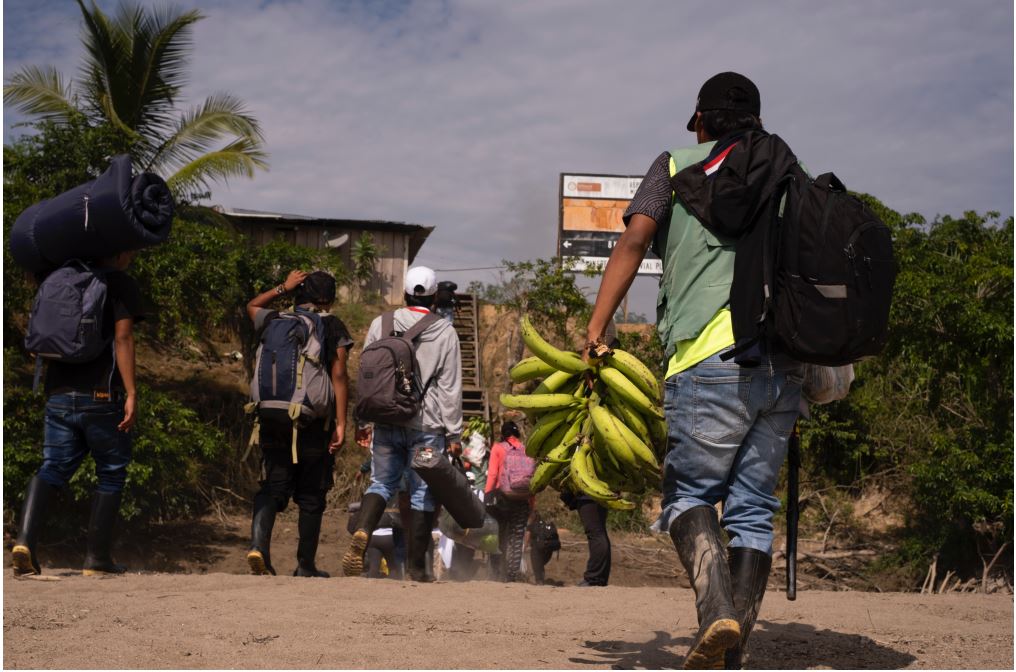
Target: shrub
[{"x": 172, "y": 449}]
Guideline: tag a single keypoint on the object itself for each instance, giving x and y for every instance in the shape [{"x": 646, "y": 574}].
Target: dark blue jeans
[
  {"x": 729, "y": 427},
  {"x": 76, "y": 425}
]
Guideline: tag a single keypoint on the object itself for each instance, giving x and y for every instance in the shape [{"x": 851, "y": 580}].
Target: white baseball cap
[{"x": 421, "y": 281}]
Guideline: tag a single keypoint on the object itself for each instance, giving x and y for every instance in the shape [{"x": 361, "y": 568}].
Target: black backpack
[
  {"x": 829, "y": 272},
  {"x": 545, "y": 537},
  {"x": 388, "y": 384}
]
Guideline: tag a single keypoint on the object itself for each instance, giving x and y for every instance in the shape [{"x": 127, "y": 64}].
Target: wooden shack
[{"x": 398, "y": 242}]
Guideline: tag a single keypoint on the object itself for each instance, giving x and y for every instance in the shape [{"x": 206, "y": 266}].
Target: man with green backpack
[{"x": 299, "y": 393}]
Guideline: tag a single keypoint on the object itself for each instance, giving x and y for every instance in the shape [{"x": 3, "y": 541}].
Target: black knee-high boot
[
  {"x": 98, "y": 559},
  {"x": 262, "y": 522},
  {"x": 33, "y": 515},
  {"x": 372, "y": 507},
  {"x": 420, "y": 525},
  {"x": 310, "y": 531},
  {"x": 696, "y": 536},
  {"x": 749, "y": 573}
]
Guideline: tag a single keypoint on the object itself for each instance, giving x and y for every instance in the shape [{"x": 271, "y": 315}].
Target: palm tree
[{"x": 134, "y": 68}]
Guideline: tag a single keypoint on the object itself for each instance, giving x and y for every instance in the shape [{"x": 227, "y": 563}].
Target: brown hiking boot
[
  {"x": 23, "y": 562},
  {"x": 352, "y": 561},
  {"x": 710, "y": 647},
  {"x": 257, "y": 563}
]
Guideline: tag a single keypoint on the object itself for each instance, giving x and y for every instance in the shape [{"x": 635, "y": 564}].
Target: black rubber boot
[
  {"x": 98, "y": 560},
  {"x": 310, "y": 530},
  {"x": 262, "y": 522},
  {"x": 33, "y": 513},
  {"x": 372, "y": 507},
  {"x": 696, "y": 535},
  {"x": 420, "y": 525},
  {"x": 749, "y": 573}
]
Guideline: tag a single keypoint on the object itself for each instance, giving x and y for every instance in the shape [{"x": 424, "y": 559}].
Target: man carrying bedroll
[
  {"x": 436, "y": 423},
  {"x": 90, "y": 408},
  {"x": 728, "y": 424},
  {"x": 298, "y": 462}
]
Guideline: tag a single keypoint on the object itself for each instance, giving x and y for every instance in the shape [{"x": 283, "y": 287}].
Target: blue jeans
[
  {"x": 392, "y": 454},
  {"x": 728, "y": 429},
  {"x": 75, "y": 425}
]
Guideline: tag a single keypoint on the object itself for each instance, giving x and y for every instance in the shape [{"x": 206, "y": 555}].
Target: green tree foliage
[
  {"x": 204, "y": 275},
  {"x": 542, "y": 288},
  {"x": 365, "y": 255},
  {"x": 934, "y": 411},
  {"x": 133, "y": 72}
]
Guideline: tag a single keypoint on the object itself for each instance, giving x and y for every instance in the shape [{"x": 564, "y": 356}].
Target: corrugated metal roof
[{"x": 417, "y": 232}]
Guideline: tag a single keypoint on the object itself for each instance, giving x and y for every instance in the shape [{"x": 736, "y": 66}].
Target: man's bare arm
[
  {"x": 622, "y": 267},
  {"x": 123, "y": 345},
  {"x": 340, "y": 386},
  {"x": 265, "y": 298}
]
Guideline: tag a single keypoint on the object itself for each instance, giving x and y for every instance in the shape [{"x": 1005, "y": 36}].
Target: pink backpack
[{"x": 516, "y": 471}]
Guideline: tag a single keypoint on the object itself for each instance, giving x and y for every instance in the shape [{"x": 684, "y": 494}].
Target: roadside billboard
[{"x": 590, "y": 219}]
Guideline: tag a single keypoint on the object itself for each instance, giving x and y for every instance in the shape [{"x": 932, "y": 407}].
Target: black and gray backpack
[
  {"x": 829, "y": 272},
  {"x": 388, "y": 386}
]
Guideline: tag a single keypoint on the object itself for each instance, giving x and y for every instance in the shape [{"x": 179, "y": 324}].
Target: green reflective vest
[{"x": 698, "y": 266}]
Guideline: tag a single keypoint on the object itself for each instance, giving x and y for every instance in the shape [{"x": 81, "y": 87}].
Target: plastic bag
[
  {"x": 475, "y": 449},
  {"x": 825, "y": 384}
]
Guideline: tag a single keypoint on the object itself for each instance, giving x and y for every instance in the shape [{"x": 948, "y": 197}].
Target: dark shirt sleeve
[
  {"x": 653, "y": 198},
  {"x": 125, "y": 297},
  {"x": 336, "y": 335}
]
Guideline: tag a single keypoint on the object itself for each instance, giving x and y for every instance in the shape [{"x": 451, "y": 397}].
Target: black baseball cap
[{"x": 727, "y": 91}]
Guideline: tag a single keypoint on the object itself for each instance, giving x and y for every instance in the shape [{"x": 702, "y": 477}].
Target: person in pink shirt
[{"x": 512, "y": 512}]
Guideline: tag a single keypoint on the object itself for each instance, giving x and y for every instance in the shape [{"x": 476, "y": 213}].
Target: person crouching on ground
[
  {"x": 310, "y": 478},
  {"x": 436, "y": 425}
]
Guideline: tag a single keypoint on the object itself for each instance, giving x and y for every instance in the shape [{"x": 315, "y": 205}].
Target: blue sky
[{"x": 461, "y": 115}]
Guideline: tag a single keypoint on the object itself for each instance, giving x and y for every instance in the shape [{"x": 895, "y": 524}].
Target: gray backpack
[
  {"x": 66, "y": 318},
  {"x": 65, "y": 323},
  {"x": 292, "y": 381},
  {"x": 388, "y": 384}
]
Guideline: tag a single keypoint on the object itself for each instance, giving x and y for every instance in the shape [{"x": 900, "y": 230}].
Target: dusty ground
[
  {"x": 230, "y": 621},
  {"x": 192, "y": 607}
]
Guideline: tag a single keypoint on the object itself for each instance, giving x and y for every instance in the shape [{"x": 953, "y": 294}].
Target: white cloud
[{"x": 461, "y": 115}]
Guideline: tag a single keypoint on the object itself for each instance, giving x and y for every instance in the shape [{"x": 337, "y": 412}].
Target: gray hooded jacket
[{"x": 437, "y": 353}]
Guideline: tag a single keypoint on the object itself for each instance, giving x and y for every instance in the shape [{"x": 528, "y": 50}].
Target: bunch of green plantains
[{"x": 598, "y": 427}]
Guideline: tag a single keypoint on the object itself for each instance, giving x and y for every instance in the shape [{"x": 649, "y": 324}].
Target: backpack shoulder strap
[
  {"x": 387, "y": 324},
  {"x": 318, "y": 322},
  {"x": 414, "y": 331}
]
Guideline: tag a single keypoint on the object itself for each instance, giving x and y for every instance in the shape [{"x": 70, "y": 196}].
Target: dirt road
[{"x": 230, "y": 621}]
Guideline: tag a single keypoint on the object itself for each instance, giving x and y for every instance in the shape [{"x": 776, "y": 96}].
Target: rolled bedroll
[
  {"x": 449, "y": 487},
  {"x": 113, "y": 213}
]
